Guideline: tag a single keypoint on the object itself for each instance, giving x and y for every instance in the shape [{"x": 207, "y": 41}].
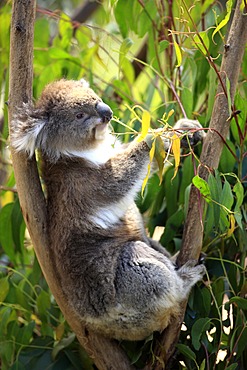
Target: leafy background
[{"x": 154, "y": 55}]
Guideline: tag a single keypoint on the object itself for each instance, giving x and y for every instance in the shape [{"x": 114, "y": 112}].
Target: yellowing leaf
[
  {"x": 176, "y": 152},
  {"x": 59, "y": 331},
  {"x": 232, "y": 225},
  {"x": 226, "y": 19},
  {"x": 243, "y": 6},
  {"x": 151, "y": 157},
  {"x": 146, "y": 118},
  {"x": 170, "y": 113},
  {"x": 8, "y": 197},
  {"x": 36, "y": 319},
  {"x": 178, "y": 54},
  {"x": 160, "y": 155}
]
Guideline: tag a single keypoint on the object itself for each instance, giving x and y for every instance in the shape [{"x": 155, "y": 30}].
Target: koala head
[{"x": 68, "y": 116}]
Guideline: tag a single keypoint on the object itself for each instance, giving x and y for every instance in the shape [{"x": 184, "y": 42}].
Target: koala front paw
[
  {"x": 191, "y": 130},
  {"x": 191, "y": 272}
]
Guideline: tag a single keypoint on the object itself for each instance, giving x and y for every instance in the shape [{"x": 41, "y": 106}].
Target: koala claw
[
  {"x": 202, "y": 258},
  {"x": 193, "y": 130}
]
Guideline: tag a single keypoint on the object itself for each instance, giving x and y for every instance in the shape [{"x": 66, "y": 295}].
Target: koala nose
[{"x": 104, "y": 111}]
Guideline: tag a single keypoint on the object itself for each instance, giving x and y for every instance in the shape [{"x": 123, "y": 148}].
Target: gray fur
[{"x": 120, "y": 282}]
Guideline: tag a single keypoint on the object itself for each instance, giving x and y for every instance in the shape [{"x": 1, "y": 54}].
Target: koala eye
[{"x": 80, "y": 115}]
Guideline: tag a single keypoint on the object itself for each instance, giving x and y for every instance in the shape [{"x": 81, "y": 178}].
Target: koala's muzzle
[{"x": 104, "y": 112}]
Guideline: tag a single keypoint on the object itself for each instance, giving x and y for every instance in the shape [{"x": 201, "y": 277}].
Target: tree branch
[
  {"x": 105, "y": 352},
  {"x": 210, "y": 156}
]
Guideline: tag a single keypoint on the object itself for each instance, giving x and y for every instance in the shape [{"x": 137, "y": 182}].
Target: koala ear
[
  {"x": 28, "y": 126},
  {"x": 84, "y": 83}
]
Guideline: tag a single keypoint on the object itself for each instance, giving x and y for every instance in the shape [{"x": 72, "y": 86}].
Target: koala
[{"x": 120, "y": 282}]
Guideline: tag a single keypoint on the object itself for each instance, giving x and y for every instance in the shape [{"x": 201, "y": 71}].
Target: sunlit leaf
[
  {"x": 57, "y": 53},
  {"x": 146, "y": 118},
  {"x": 160, "y": 155},
  {"x": 124, "y": 48},
  {"x": 202, "y": 42},
  {"x": 151, "y": 157},
  {"x": 225, "y": 20},
  {"x": 203, "y": 187},
  {"x": 178, "y": 54},
  {"x": 232, "y": 225},
  {"x": 176, "y": 152}
]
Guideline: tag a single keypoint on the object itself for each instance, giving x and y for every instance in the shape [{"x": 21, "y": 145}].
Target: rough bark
[
  {"x": 210, "y": 156},
  {"x": 105, "y": 353}
]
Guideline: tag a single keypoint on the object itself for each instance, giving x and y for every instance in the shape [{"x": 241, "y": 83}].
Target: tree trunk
[{"x": 106, "y": 353}]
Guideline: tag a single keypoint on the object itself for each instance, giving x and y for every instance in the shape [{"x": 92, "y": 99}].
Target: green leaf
[
  {"x": 121, "y": 9},
  {"x": 144, "y": 20},
  {"x": 239, "y": 301},
  {"x": 4, "y": 288},
  {"x": 171, "y": 188},
  {"x": 163, "y": 45},
  {"x": 124, "y": 48},
  {"x": 185, "y": 350},
  {"x": 202, "y": 42},
  {"x": 198, "y": 329},
  {"x": 203, "y": 187},
  {"x": 65, "y": 31},
  {"x": 6, "y": 231},
  {"x": 65, "y": 342},
  {"x": 242, "y": 343},
  {"x": 232, "y": 367},
  {"x": 226, "y": 197},
  {"x": 57, "y": 53},
  {"x": 226, "y": 19},
  {"x": 18, "y": 226},
  {"x": 215, "y": 190},
  {"x": 26, "y": 333},
  {"x": 239, "y": 192},
  {"x": 43, "y": 303},
  {"x": 203, "y": 365},
  {"x": 187, "y": 99},
  {"x": 227, "y": 160},
  {"x": 172, "y": 226}
]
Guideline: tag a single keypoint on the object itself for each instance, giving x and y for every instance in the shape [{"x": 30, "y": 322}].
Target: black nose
[{"x": 104, "y": 111}]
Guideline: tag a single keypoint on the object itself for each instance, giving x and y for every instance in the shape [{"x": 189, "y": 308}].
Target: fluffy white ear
[
  {"x": 84, "y": 83},
  {"x": 27, "y": 127}
]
